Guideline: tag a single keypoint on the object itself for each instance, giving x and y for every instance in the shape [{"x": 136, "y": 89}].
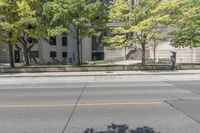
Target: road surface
[{"x": 166, "y": 103}]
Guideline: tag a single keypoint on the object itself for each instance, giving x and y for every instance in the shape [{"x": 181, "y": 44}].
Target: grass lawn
[{"x": 100, "y": 63}]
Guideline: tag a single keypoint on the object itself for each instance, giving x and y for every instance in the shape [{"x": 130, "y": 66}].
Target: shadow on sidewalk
[{"x": 113, "y": 128}]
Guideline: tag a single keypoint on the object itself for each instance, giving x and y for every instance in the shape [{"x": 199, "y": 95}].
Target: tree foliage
[
  {"x": 21, "y": 24},
  {"x": 32, "y": 25},
  {"x": 8, "y": 28},
  {"x": 187, "y": 33},
  {"x": 79, "y": 18},
  {"x": 138, "y": 23}
]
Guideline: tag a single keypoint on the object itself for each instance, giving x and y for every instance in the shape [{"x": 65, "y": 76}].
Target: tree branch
[
  {"x": 138, "y": 36},
  {"x": 18, "y": 47},
  {"x": 31, "y": 46}
]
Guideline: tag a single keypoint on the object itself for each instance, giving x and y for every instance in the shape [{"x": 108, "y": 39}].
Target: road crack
[
  {"x": 182, "y": 88},
  {"x": 75, "y": 106}
]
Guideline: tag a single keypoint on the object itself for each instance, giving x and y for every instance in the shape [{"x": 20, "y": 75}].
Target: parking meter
[{"x": 173, "y": 60}]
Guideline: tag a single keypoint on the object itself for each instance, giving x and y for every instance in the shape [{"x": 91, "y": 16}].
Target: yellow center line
[{"x": 81, "y": 104}]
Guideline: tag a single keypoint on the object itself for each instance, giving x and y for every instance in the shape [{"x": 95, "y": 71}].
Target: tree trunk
[
  {"x": 125, "y": 56},
  {"x": 12, "y": 64},
  {"x": 154, "y": 53},
  {"x": 78, "y": 46},
  {"x": 81, "y": 48},
  {"x": 143, "y": 53},
  {"x": 26, "y": 56}
]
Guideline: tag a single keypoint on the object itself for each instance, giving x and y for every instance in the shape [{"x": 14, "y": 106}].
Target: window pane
[
  {"x": 34, "y": 54},
  {"x": 64, "y": 40},
  {"x": 64, "y": 54},
  {"x": 52, "y": 54},
  {"x": 52, "y": 40}
]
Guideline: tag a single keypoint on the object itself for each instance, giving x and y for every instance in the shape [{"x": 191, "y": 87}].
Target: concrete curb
[
  {"x": 82, "y": 69},
  {"x": 95, "y": 71},
  {"x": 110, "y": 73}
]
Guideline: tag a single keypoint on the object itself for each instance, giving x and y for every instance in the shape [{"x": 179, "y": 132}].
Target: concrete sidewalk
[{"x": 100, "y": 73}]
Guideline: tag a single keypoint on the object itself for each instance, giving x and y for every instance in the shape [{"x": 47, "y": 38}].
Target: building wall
[
  {"x": 4, "y": 53},
  {"x": 111, "y": 54},
  {"x": 71, "y": 49},
  {"x": 184, "y": 55},
  {"x": 44, "y": 48},
  {"x": 86, "y": 50},
  {"x": 129, "y": 53}
]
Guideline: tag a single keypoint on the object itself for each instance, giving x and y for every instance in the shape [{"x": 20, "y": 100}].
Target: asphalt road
[{"x": 46, "y": 104}]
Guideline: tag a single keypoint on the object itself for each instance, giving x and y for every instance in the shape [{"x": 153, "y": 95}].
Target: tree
[
  {"x": 26, "y": 29},
  {"x": 138, "y": 22},
  {"x": 22, "y": 24},
  {"x": 79, "y": 18},
  {"x": 31, "y": 26},
  {"x": 184, "y": 16},
  {"x": 187, "y": 33},
  {"x": 8, "y": 28},
  {"x": 157, "y": 38}
]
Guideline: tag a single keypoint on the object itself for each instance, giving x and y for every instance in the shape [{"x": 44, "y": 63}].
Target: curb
[
  {"x": 83, "y": 69},
  {"x": 104, "y": 74}
]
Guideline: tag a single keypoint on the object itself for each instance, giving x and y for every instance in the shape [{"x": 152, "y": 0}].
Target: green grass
[
  {"x": 185, "y": 64},
  {"x": 151, "y": 63},
  {"x": 99, "y": 62},
  {"x": 103, "y": 62}
]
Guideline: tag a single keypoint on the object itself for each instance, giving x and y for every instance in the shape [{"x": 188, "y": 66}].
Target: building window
[
  {"x": 64, "y": 54},
  {"x": 64, "y": 40},
  {"x": 97, "y": 56},
  {"x": 53, "y": 40},
  {"x": 34, "y": 54},
  {"x": 17, "y": 56},
  {"x": 53, "y": 54},
  {"x": 33, "y": 40},
  {"x": 96, "y": 41}
]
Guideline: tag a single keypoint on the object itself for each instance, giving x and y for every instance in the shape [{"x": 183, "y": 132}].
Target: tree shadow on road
[{"x": 114, "y": 128}]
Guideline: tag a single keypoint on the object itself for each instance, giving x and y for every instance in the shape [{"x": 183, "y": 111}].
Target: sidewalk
[{"x": 100, "y": 73}]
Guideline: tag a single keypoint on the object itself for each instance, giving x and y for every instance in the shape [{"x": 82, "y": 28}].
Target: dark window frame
[
  {"x": 34, "y": 54},
  {"x": 52, "y": 40},
  {"x": 53, "y": 54},
  {"x": 64, "y": 40},
  {"x": 64, "y": 54}
]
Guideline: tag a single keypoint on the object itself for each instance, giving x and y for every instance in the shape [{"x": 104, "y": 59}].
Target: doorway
[{"x": 17, "y": 56}]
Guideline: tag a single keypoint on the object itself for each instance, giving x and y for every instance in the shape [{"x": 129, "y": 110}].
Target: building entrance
[{"x": 17, "y": 56}]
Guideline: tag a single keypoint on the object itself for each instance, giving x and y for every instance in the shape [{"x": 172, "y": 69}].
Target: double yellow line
[{"x": 81, "y": 104}]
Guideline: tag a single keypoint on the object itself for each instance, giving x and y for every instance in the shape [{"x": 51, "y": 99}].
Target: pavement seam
[
  {"x": 173, "y": 106},
  {"x": 175, "y": 100},
  {"x": 168, "y": 82},
  {"x": 67, "y": 123}
]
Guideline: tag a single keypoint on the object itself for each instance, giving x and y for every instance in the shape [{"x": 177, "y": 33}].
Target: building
[
  {"x": 62, "y": 50},
  {"x": 184, "y": 55},
  {"x": 58, "y": 50}
]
